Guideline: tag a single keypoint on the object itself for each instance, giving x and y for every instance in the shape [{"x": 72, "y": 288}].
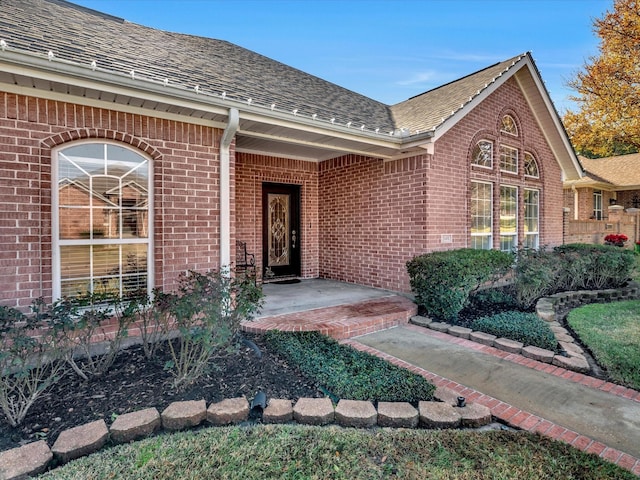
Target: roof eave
[{"x": 189, "y": 97}]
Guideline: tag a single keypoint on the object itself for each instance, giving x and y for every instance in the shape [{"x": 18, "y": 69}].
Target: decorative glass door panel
[{"x": 280, "y": 230}]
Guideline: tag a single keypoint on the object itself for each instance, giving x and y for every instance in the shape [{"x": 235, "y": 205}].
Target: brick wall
[
  {"x": 185, "y": 166},
  {"x": 450, "y": 174},
  {"x": 254, "y": 170},
  {"x": 372, "y": 217}
]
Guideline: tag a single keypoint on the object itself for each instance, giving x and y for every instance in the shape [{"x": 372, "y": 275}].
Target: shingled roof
[
  {"x": 428, "y": 110},
  {"x": 62, "y": 48},
  {"x": 619, "y": 171},
  {"x": 81, "y": 35}
]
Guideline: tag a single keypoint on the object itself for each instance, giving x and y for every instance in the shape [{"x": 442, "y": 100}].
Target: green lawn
[
  {"x": 612, "y": 333},
  {"x": 304, "y": 452}
]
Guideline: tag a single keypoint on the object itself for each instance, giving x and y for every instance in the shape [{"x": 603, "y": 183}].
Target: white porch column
[{"x": 225, "y": 190}]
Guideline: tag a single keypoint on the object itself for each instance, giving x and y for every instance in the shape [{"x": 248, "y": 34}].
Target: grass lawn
[
  {"x": 612, "y": 333},
  {"x": 304, "y": 452}
]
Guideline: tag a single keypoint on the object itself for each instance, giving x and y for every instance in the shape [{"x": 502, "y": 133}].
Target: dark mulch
[{"x": 134, "y": 383}]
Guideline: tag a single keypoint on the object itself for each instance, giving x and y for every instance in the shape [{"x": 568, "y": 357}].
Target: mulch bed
[{"x": 134, "y": 383}]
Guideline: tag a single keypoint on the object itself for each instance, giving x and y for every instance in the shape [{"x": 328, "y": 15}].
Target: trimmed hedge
[
  {"x": 349, "y": 373},
  {"x": 443, "y": 281},
  {"x": 570, "y": 267},
  {"x": 523, "y": 327}
]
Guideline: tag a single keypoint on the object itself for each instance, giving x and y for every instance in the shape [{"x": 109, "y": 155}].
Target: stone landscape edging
[
  {"x": 36, "y": 457},
  {"x": 572, "y": 356}
]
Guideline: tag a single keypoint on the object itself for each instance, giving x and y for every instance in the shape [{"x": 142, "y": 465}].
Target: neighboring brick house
[
  {"x": 177, "y": 146},
  {"x": 605, "y": 200}
]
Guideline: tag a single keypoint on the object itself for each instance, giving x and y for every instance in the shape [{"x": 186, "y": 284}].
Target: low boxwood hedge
[
  {"x": 523, "y": 327},
  {"x": 348, "y": 373}
]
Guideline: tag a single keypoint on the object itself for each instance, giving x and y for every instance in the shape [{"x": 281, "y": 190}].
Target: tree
[{"x": 608, "y": 121}]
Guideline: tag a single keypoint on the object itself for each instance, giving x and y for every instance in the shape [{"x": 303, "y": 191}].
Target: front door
[{"x": 281, "y": 230}]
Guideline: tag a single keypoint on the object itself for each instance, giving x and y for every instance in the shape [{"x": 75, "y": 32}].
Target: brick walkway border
[{"x": 512, "y": 415}]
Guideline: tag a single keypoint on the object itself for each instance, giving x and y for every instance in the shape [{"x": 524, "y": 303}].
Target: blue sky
[{"x": 389, "y": 50}]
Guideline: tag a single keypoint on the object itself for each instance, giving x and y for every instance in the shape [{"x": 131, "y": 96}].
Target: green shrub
[
  {"x": 570, "y": 267},
  {"x": 536, "y": 275},
  {"x": 31, "y": 359},
  {"x": 594, "y": 267},
  {"x": 349, "y": 373},
  {"x": 500, "y": 298},
  {"x": 443, "y": 281},
  {"x": 207, "y": 311},
  {"x": 84, "y": 319},
  {"x": 520, "y": 326}
]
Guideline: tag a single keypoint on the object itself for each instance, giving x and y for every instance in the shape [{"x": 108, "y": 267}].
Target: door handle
[{"x": 293, "y": 239}]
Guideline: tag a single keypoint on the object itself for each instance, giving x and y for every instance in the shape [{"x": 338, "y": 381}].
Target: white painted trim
[{"x": 225, "y": 190}]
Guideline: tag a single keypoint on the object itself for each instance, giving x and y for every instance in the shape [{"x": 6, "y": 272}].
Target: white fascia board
[{"x": 553, "y": 114}]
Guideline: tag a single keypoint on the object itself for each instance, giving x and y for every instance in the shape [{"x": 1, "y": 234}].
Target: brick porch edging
[{"x": 512, "y": 415}]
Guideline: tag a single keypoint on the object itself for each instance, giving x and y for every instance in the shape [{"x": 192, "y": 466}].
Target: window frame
[
  {"x": 597, "y": 204},
  {"x": 473, "y": 156},
  {"x": 515, "y": 159},
  {"x": 528, "y": 156},
  {"x": 489, "y": 235},
  {"x": 527, "y": 216},
  {"x": 515, "y": 133},
  {"x": 502, "y": 234},
  {"x": 57, "y": 242}
]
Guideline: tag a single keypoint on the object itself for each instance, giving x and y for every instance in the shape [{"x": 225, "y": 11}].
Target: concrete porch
[{"x": 340, "y": 310}]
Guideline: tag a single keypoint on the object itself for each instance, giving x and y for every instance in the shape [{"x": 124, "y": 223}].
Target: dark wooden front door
[{"x": 281, "y": 230}]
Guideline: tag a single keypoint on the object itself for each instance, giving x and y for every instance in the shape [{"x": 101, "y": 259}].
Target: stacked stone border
[
  {"x": 551, "y": 309},
  {"x": 35, "y": 458},
  {"x": 512, "y": 416}
]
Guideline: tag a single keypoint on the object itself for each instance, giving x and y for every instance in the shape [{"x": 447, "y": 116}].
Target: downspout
[{"x": 225, "y": 190}]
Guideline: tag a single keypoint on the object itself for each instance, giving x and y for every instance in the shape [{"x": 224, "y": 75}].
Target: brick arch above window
[{"x": 100, "y": 134}]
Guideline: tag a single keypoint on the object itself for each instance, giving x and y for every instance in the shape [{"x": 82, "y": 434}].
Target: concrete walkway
[{"x": 593, "y": 415}]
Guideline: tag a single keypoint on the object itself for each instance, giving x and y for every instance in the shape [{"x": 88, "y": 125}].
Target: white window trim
[
  {"x": 514, "y": 149},
  {"x": 535, "y": 160},
  {"x": 515, "y": 235},
  {"x": 490, "y": 234},
  {"x": 537, "y": 232},
  {"x": 515, "y": 124},
  {"x": 56, "y": 242},
  {"x": 598, "y": 194},
  {"x": 477, "y": 165}
]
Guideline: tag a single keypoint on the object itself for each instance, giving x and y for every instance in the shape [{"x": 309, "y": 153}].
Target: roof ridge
[{"x": 513, "y": 61}]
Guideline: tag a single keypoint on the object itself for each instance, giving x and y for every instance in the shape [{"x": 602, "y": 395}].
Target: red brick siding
[
  {"x": 372, "y": 217},
  {"x": 450, "y": 176},
  {"x": 254, "y": 170},
  {"x": 186, "y": 188}
]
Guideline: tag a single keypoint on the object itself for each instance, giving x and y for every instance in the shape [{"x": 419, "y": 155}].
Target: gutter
[{"x": 225, "y": 190}]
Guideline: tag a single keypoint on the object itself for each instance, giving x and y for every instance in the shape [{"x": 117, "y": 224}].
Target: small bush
[
  {"x": 349, "y": 373},
  {"x": 594, "y": 267},
  {"x": 207, "y": 311},
  {"x": 443, "y": 281},
  {"x": 31, "y": 359},
  {"x": 519, "y": 326},
  {"x": 570, "y": 267},
  {"x": 536, "y": 275},
  {"x": 86, "y": 319},
  {"x": 498, "y": 298}
]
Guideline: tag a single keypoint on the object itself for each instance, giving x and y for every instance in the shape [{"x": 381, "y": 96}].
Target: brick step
[{"x": 341, "y": 321}]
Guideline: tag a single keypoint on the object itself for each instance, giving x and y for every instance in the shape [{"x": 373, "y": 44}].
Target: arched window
[
  {"x": 101, "y": 220},
  {"x": 530, "y": 166},
  {"x": 482, "y": 154},
  {"x": 508, "y": 125}
]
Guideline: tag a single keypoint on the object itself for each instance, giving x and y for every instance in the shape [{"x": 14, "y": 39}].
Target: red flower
[{"x": 615, "y": 239}]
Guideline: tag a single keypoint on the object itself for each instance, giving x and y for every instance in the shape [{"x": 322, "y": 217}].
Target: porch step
[{"x": 341, "y": 321}]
